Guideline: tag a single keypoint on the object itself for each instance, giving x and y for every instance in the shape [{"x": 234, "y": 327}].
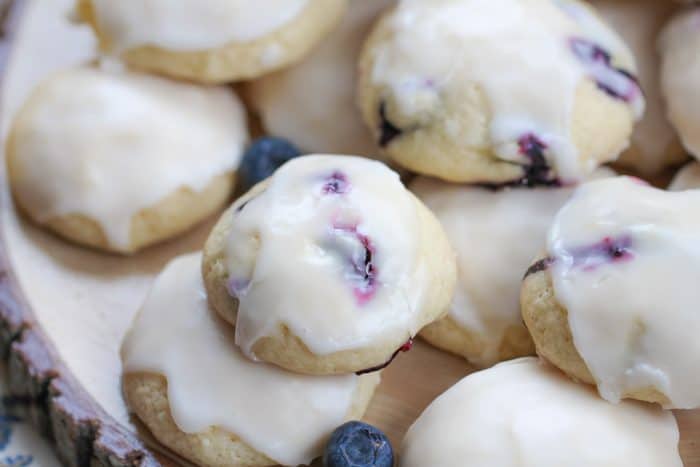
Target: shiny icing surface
[
  {"x": 507, "y": 48},
  {"x": 680, "y": 72},
  {"x": 210, "y": 383},
  {"x": 524, "y": 414},
  {"x": 496, "y": 235},
  {"x": 313, "y": 103},
  {"x": 116, "y": 143},
  {"x": 626, "y": 258},
  {"x": 639, "y": 23},
  {"x": 330, "y": 249},
  {"x": 193, "y": 24}
]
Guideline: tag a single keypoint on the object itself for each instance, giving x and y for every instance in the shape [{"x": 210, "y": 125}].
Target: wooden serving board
[{"x": 64, "y": 310}]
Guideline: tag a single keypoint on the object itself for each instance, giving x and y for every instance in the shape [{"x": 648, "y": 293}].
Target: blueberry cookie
[
  {"x": 328, "y": 267},
  {"x": 313, "y": 102},
  {"x": 688, "y": 178},
  {"x": 654, "y": 144},
  {"x": 536, "y": 92},
  {"x": 680, "y": 71},
  {"x": 211, "y": 41},
  {"x": 613, "y": 302},
  {"x": 200, "y": 397},
  {"x": 119, "y": 161},
  {"x": 526, "y": 414}
]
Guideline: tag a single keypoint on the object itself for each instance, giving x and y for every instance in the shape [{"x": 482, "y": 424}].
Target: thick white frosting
[
  {"x": 297, "y": 256},
  {"x": 626, "y": 263},
  {"x": 519, "y": 52},
  {"x": 524, "y": 414},
  {"x": 496, "y": 235},
  {"x": 688, "y": 178},
  {"x": 283, "y": 415},
  {"x": 639, "y": 23},
  {"x": 313, "y": 103},
  {"x": 680, "y": 72},
  {"x": 193, "y": 24},
  {"x": 115, "y": 143}
]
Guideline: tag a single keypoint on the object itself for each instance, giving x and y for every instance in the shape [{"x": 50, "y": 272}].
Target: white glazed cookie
[
  {"x": 498, "y": 91},
  {"x": 119, "y": 161},
  {"x": 525, "y": 414},
  {"x": 211, "y": 41},
  {"x": 688, "y": 178},
  {"x": 313, "y": 102},
  {"x": 191, "y": 386},
  {"x": 654, "y": 144},
  {"x": 330, "y": 266},
  {"x": 680, "y": 72},
  {"x": 614, "y": 301}
]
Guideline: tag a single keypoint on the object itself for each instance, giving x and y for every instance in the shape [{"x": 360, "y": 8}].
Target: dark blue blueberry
[
  {"x": 357, "y": 444},
  {"x": 262, "y": 158}
]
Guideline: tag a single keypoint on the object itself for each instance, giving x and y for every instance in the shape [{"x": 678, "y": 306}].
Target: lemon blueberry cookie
[
  {"x": 211, "y": 41},
  {"x": 329, "y": 266},
  {"x": 119, "y": 160},
  {"x": 654, "y": 144},
  {"x": 199, "y": 396},
  {"x": 613, "y": 300},
  {"x": 313, "y": 102},
  {"x": 525, "y": 414},
  {"x": 680, "y": 71},
  {"x": 498, "y": 91}
]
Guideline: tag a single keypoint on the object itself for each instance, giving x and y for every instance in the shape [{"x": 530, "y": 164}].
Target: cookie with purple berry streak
[
  {"x": 121, "y": 160},
  {"x": 532, "y": 92},
  {"x": 612, "y": 301},
  {"x": 211, "y": 41},
  {"x": 330, "y": 266}
]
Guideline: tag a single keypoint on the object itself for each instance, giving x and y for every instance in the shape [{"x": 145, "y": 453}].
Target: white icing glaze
[
  {"x": 296, "y": 255},
  {"x": 509, "y": 48},
  {"x": 496, "y": 236},
  {"x": 639, "y": 23},
  {"x": 210, "y": 383},
  {"x": 524, "y": 414},
  {"x": 680, "y": 71},
  {"x": 626, "y": 263},
  {"x": 193, "y": 24},
  {"x": 688, "y": 178},
  {"x": 313, "y": 102},
  {"x": 116, "y": 143}
]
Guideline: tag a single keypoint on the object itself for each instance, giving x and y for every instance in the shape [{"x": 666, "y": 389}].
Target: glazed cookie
[
  {"x": 613, "y": 301},
  {"x": 526, "y": 414},
  {"x": 499, "y": 91},
  {"x": 680, "y": 71},
  {"x": 199, "y": 396},
  {"x": 328, "y": 267},
  {"x": 654, "y": 144},
  {"x": 211, "y": 41},
  {"x": 688, "y": 178},
  {"x": 119, "y": 161},
  {"x": 313, "y": 102}
]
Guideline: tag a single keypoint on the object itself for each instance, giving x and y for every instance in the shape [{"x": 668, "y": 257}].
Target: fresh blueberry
[
  {"x": 262, "y": 158},
  {"x": 357, "y": 444}
]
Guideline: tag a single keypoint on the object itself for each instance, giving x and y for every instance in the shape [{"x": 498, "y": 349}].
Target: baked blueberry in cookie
[
  {"x": 358, "y": 444},
  {"x": 331, "y": 267}
]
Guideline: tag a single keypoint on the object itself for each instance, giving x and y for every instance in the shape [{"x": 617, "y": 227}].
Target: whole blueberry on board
[
  {"x": 357, "y": 444},
  {"x": 262, "y": 158}
]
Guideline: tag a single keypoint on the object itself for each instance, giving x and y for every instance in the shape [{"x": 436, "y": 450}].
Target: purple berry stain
[
  {"x": 607, "y": 251},
  {"x": 362, "y": 271},
  {"x": 336, "y": 184},
  {"x": 537, "y": 171},
  {"x": 616, "y": 82},
  {"x": 237, "y": 287},
  {"x": 408, "y": 345}
]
